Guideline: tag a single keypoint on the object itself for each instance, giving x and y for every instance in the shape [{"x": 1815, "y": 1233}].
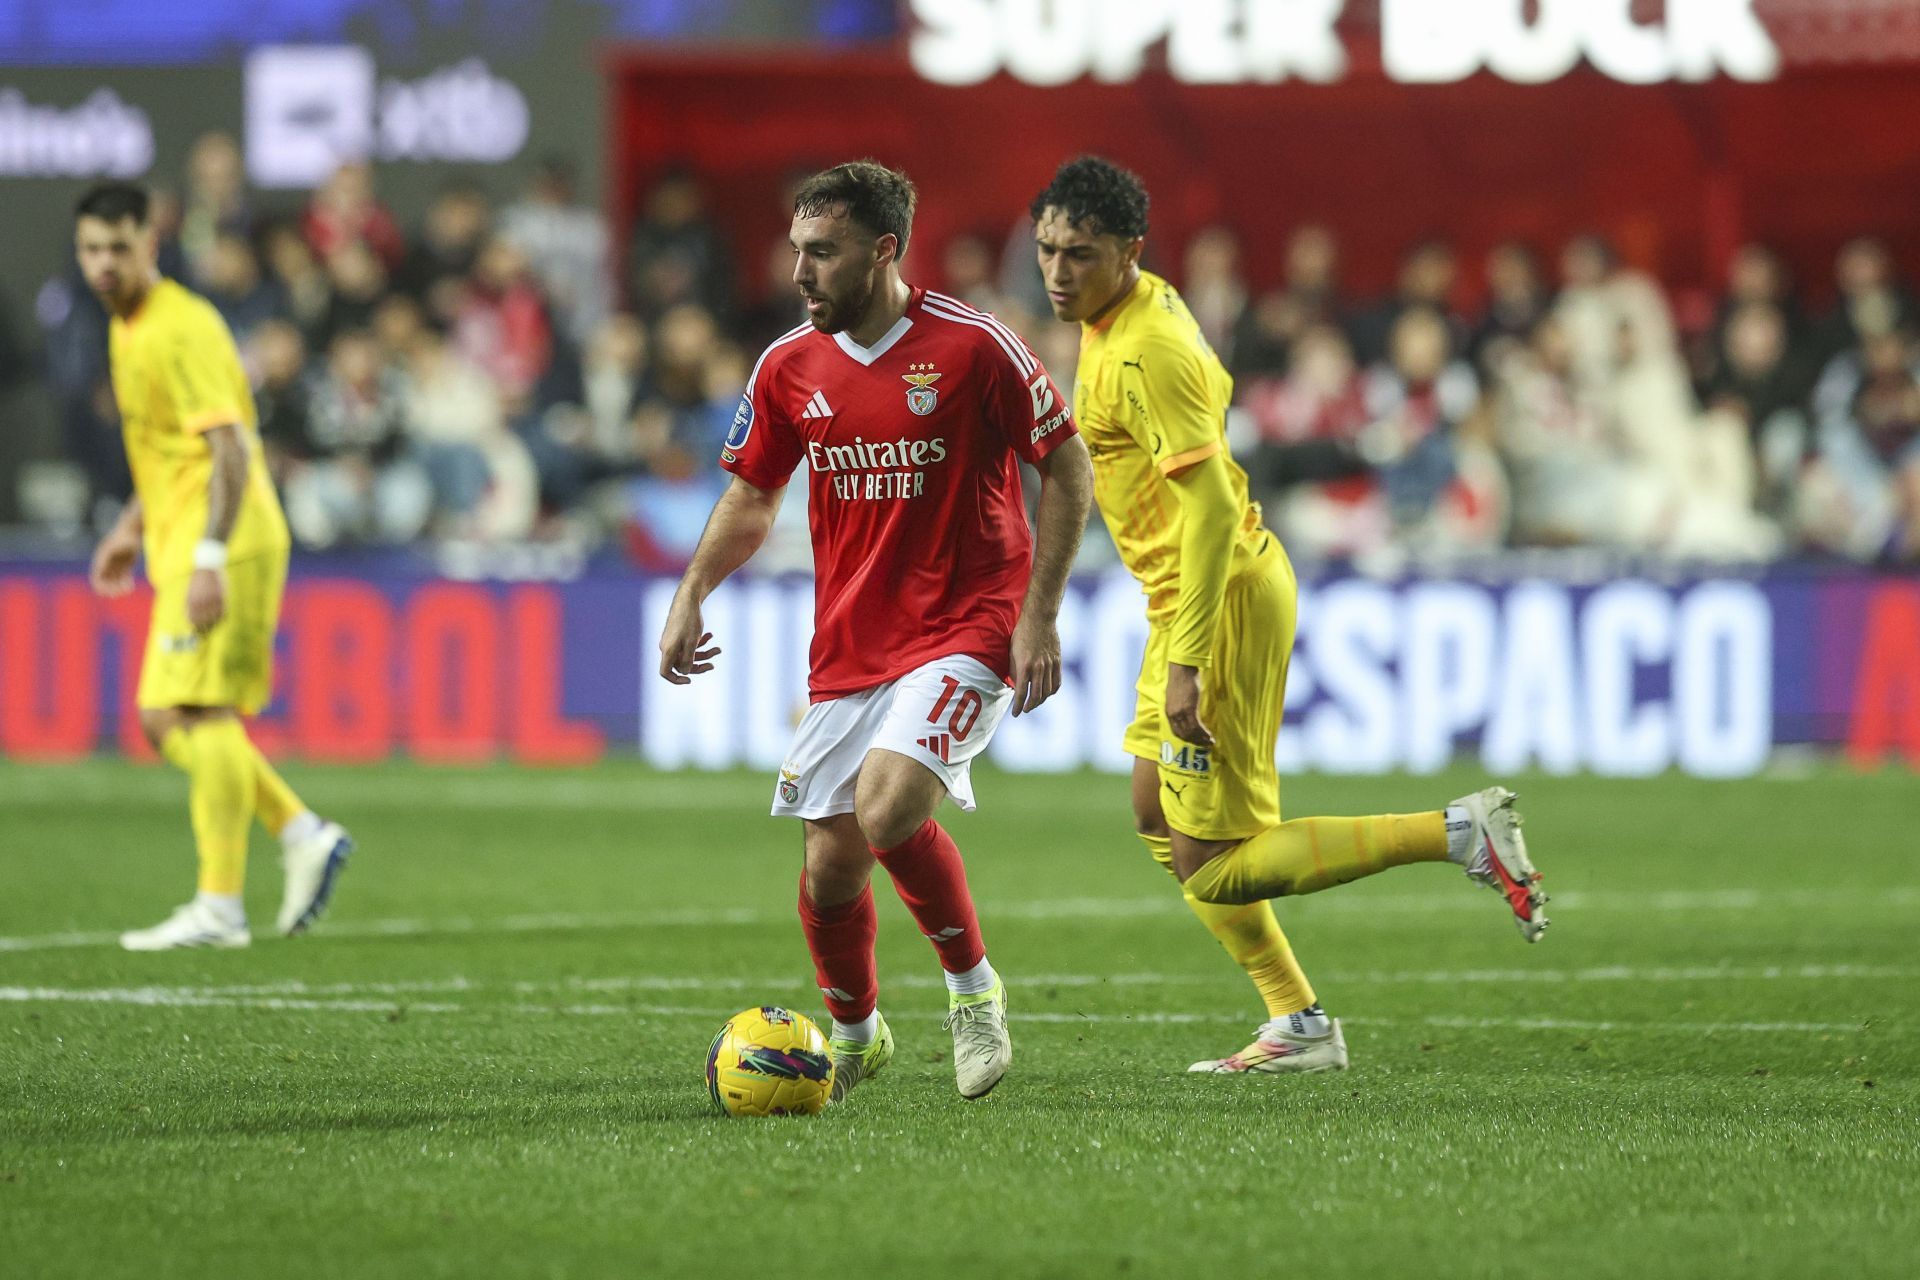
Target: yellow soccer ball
[{"x": 769, "y": 1062}]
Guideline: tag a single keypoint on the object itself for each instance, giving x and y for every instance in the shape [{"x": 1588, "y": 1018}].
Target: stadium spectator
[
  {"x": 1758, "y": 387},
  {"x": 1517, "y": 299},
  {"x": 685, "y": 338},
  {"x": 565, "y": 242},
  {"x": 73, "y": 327},
  {"x": 15, "y": 359},
  {"x": 344, "y": 211},
  {"x": 670, "y": 501},
  {"x": 215, "y": 203},
  {"x": 777, "y": 308},
  {"x": 1266, "y": 331},
  {"x": 501, "y": 326},
  {"x": 1318, "y": 493},
  {"x": 591, "y": 435},
  {"x": 1860, "y": 495},
  {"x": 1549, "y": 432},
  {"x": 302, "y": 281},
  {"x": 968, "y": 272},
  {"x": 484, "y": 485},
  {"x": 451, "y": 234},
  {"x": 1869, "y": 293},
  {"x": 1598, "y": 294},
  {"x": 357, "y": 281},
  {"x": 164, "y": 214},
  {"x": 232, "y": 282},
  {"x": 276, "y": 358},
  {"x": 1685, "y": 481},
  {"x": 1212, "y": 286},
  {"x": 615, "y": 370},
  {"x": 397, "y": 325},
  {"x": 675, "y": 254},
  {"x": 1429, "y": 274},
  {"x": 355, "y": 486},
  {"x": 1757, "y": 277},
  {"x": 1417, "y": 399}
]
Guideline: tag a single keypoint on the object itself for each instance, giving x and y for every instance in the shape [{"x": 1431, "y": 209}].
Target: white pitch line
[
  {"x": 1577, "y": 1024},
  {"x": 296, "y": 989},
  {"x": 160, "y": 997},
  {"x": 377, "y": 793},
  {"x": 1045, "y": 909},
  {"x": 1434, "y": 977},
  {"x": 152, "y": 997}
]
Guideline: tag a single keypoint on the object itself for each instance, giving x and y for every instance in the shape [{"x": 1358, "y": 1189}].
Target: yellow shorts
[
  {"x": 229, "y": 666},
  {"x": 1231, "y": 790}
]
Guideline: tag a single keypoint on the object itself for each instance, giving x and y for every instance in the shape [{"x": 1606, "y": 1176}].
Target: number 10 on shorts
[{"x": 966, "y": 708}]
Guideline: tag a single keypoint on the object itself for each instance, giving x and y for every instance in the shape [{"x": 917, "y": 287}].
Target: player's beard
[{"x": 847, "y": 310}]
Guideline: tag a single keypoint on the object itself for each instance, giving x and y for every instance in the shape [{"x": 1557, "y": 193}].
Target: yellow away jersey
[
  {"x": 177, "y": 375},
  {"x": 1151, "y": 398}
]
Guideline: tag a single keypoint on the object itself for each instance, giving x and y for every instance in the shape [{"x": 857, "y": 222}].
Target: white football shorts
[{"x": 942, "y": 714}]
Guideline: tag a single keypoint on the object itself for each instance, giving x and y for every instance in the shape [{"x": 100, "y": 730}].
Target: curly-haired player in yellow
[{"x": 1151, "y": 400}]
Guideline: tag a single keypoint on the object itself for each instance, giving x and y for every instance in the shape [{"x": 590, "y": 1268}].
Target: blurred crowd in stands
[{"x": 506, "y": 372}]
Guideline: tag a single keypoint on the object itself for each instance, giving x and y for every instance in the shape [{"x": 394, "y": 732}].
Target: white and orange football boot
[
  {"x": 1280, "y": 1047},
  {"x": 1497, "y": 858}
]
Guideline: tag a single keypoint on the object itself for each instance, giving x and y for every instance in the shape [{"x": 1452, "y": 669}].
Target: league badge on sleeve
[
  {"x": 742, "y": 425},
  {"x": 921, "y": 397}
]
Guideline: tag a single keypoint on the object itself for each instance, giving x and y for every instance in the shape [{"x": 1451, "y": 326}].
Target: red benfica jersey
[{"x": 920, "y": 540}]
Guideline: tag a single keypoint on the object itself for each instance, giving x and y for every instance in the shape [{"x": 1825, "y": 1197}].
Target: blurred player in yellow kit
[
  {"x": 205, "y": 515},
  {"x": 1151, "y": 400}
]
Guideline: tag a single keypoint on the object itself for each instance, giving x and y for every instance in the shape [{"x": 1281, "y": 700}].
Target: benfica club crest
[{"x": 921, "y": 397}]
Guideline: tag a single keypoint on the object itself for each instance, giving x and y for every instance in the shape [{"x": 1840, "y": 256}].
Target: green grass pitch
[{"x": 487, "y": 1061}]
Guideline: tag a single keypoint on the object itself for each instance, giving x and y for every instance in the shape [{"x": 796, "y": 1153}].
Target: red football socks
[
  {"x": 841, "y": 940},
  {"x": 932, "y": 881}
]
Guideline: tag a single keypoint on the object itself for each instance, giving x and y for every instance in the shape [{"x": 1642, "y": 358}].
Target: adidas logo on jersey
[
  {"x": 817, "y": 407},
  {"x": 938, "y": 745}
]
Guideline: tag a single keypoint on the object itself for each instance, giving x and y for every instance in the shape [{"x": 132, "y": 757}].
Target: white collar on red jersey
[{"x": 867, "y": 355}]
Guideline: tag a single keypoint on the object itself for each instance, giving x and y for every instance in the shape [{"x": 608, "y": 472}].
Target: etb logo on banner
[{"x": 311, "y": 108}]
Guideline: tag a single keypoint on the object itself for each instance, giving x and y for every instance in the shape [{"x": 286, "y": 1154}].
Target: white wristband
[{"x": 209, "y": 553}]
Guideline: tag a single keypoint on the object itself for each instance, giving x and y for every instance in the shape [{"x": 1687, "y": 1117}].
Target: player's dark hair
[
  {"x": 1097, "y": 196},
  {"x": 878, "y": 198},
  {"x": 113, "y": 201}
]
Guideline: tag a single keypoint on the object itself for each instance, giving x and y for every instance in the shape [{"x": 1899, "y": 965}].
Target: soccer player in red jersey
[{"x": 934, "y": 606}]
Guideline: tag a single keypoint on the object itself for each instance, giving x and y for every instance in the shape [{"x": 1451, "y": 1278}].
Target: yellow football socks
[
  {"x": 1307, "y": 855},
  {"x": 1252, "y": 936},
  {"x": 273, "y": 799},
  {"x": 219, "y": 763}
]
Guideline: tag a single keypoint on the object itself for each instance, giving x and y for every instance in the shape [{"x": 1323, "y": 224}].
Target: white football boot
[
  {"x": 854, "y": 1062},
  {"x": 982, "y": 1048},
  {"x": 312, "y": 866},
  {"x": 1278, "y": 1049},
  {"x": 1499, "y": 858},
  {"x": 194, "y": 925}
]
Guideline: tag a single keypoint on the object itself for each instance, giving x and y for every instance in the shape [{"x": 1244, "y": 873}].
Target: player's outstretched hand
[
  {"x": 1036, "y": 664},
  {"x": 1183, "y": 705},
  {"x": 112, "y": 571},
  {"x": 682, "y": 656}
]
